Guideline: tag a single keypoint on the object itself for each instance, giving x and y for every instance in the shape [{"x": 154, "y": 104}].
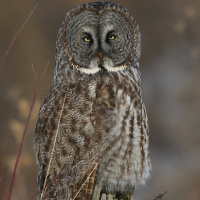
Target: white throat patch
[{"x": 93, "y": 67}]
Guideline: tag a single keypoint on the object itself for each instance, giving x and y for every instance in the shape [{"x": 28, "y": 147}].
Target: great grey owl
[{"x": 92, "y": 127}]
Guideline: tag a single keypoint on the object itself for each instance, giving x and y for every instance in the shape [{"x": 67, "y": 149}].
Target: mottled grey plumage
[{"x": 103, "y": 120}]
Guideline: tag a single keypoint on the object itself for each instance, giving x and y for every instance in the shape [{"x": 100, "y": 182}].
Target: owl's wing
[{"x": 69, "y": 139}]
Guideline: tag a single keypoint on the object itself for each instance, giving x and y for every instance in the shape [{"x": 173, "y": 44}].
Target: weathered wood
[{"x": 98, "y": 196}]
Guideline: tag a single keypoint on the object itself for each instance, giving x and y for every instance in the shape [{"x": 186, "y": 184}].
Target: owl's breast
[{"x": 125, "y": 163}]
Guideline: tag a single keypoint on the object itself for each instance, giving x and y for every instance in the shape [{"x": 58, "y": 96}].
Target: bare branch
[
  {"x": 24, "y": 132},
  {"x": 17, "y": 34}
]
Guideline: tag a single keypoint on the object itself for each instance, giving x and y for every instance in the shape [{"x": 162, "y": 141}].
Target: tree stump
[{"x": 98, "y": 196}]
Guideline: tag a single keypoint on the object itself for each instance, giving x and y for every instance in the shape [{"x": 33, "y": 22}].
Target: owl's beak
[{"x": 100, "y": 56}]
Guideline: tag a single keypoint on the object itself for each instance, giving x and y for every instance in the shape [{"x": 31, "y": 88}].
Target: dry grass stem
[
  {"x": 34, "y": 72},
  {"x": 49, "y": 166},
  {"x": 96, "y": 164}
]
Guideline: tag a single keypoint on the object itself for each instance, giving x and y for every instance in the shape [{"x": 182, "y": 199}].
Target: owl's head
[{"x": 98, "y": 37}]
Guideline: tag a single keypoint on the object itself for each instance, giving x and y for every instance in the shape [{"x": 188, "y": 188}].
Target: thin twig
[
  {"x": 49, "y": 165},
  {"x": 24, "y": 132},
  {"x": 96, "y": 164},
  {"x": 160, "y": 196},
  {"x": 17, "y": 34}
]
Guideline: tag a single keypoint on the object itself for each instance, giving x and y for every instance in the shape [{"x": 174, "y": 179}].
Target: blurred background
[{"x": 170, "y": 65}]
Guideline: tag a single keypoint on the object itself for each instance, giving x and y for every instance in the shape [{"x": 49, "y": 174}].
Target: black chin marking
[{"x": 103, "y": 69}]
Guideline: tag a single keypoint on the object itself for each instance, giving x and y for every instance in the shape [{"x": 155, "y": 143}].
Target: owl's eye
[
  {"x": 111, "y": 37},
  {"x": 86, "y": 39}
]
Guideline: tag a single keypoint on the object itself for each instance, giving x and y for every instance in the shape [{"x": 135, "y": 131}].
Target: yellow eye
[
  {"x": 86, "y": 39},
  {"x": 111, "y": 37}
]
